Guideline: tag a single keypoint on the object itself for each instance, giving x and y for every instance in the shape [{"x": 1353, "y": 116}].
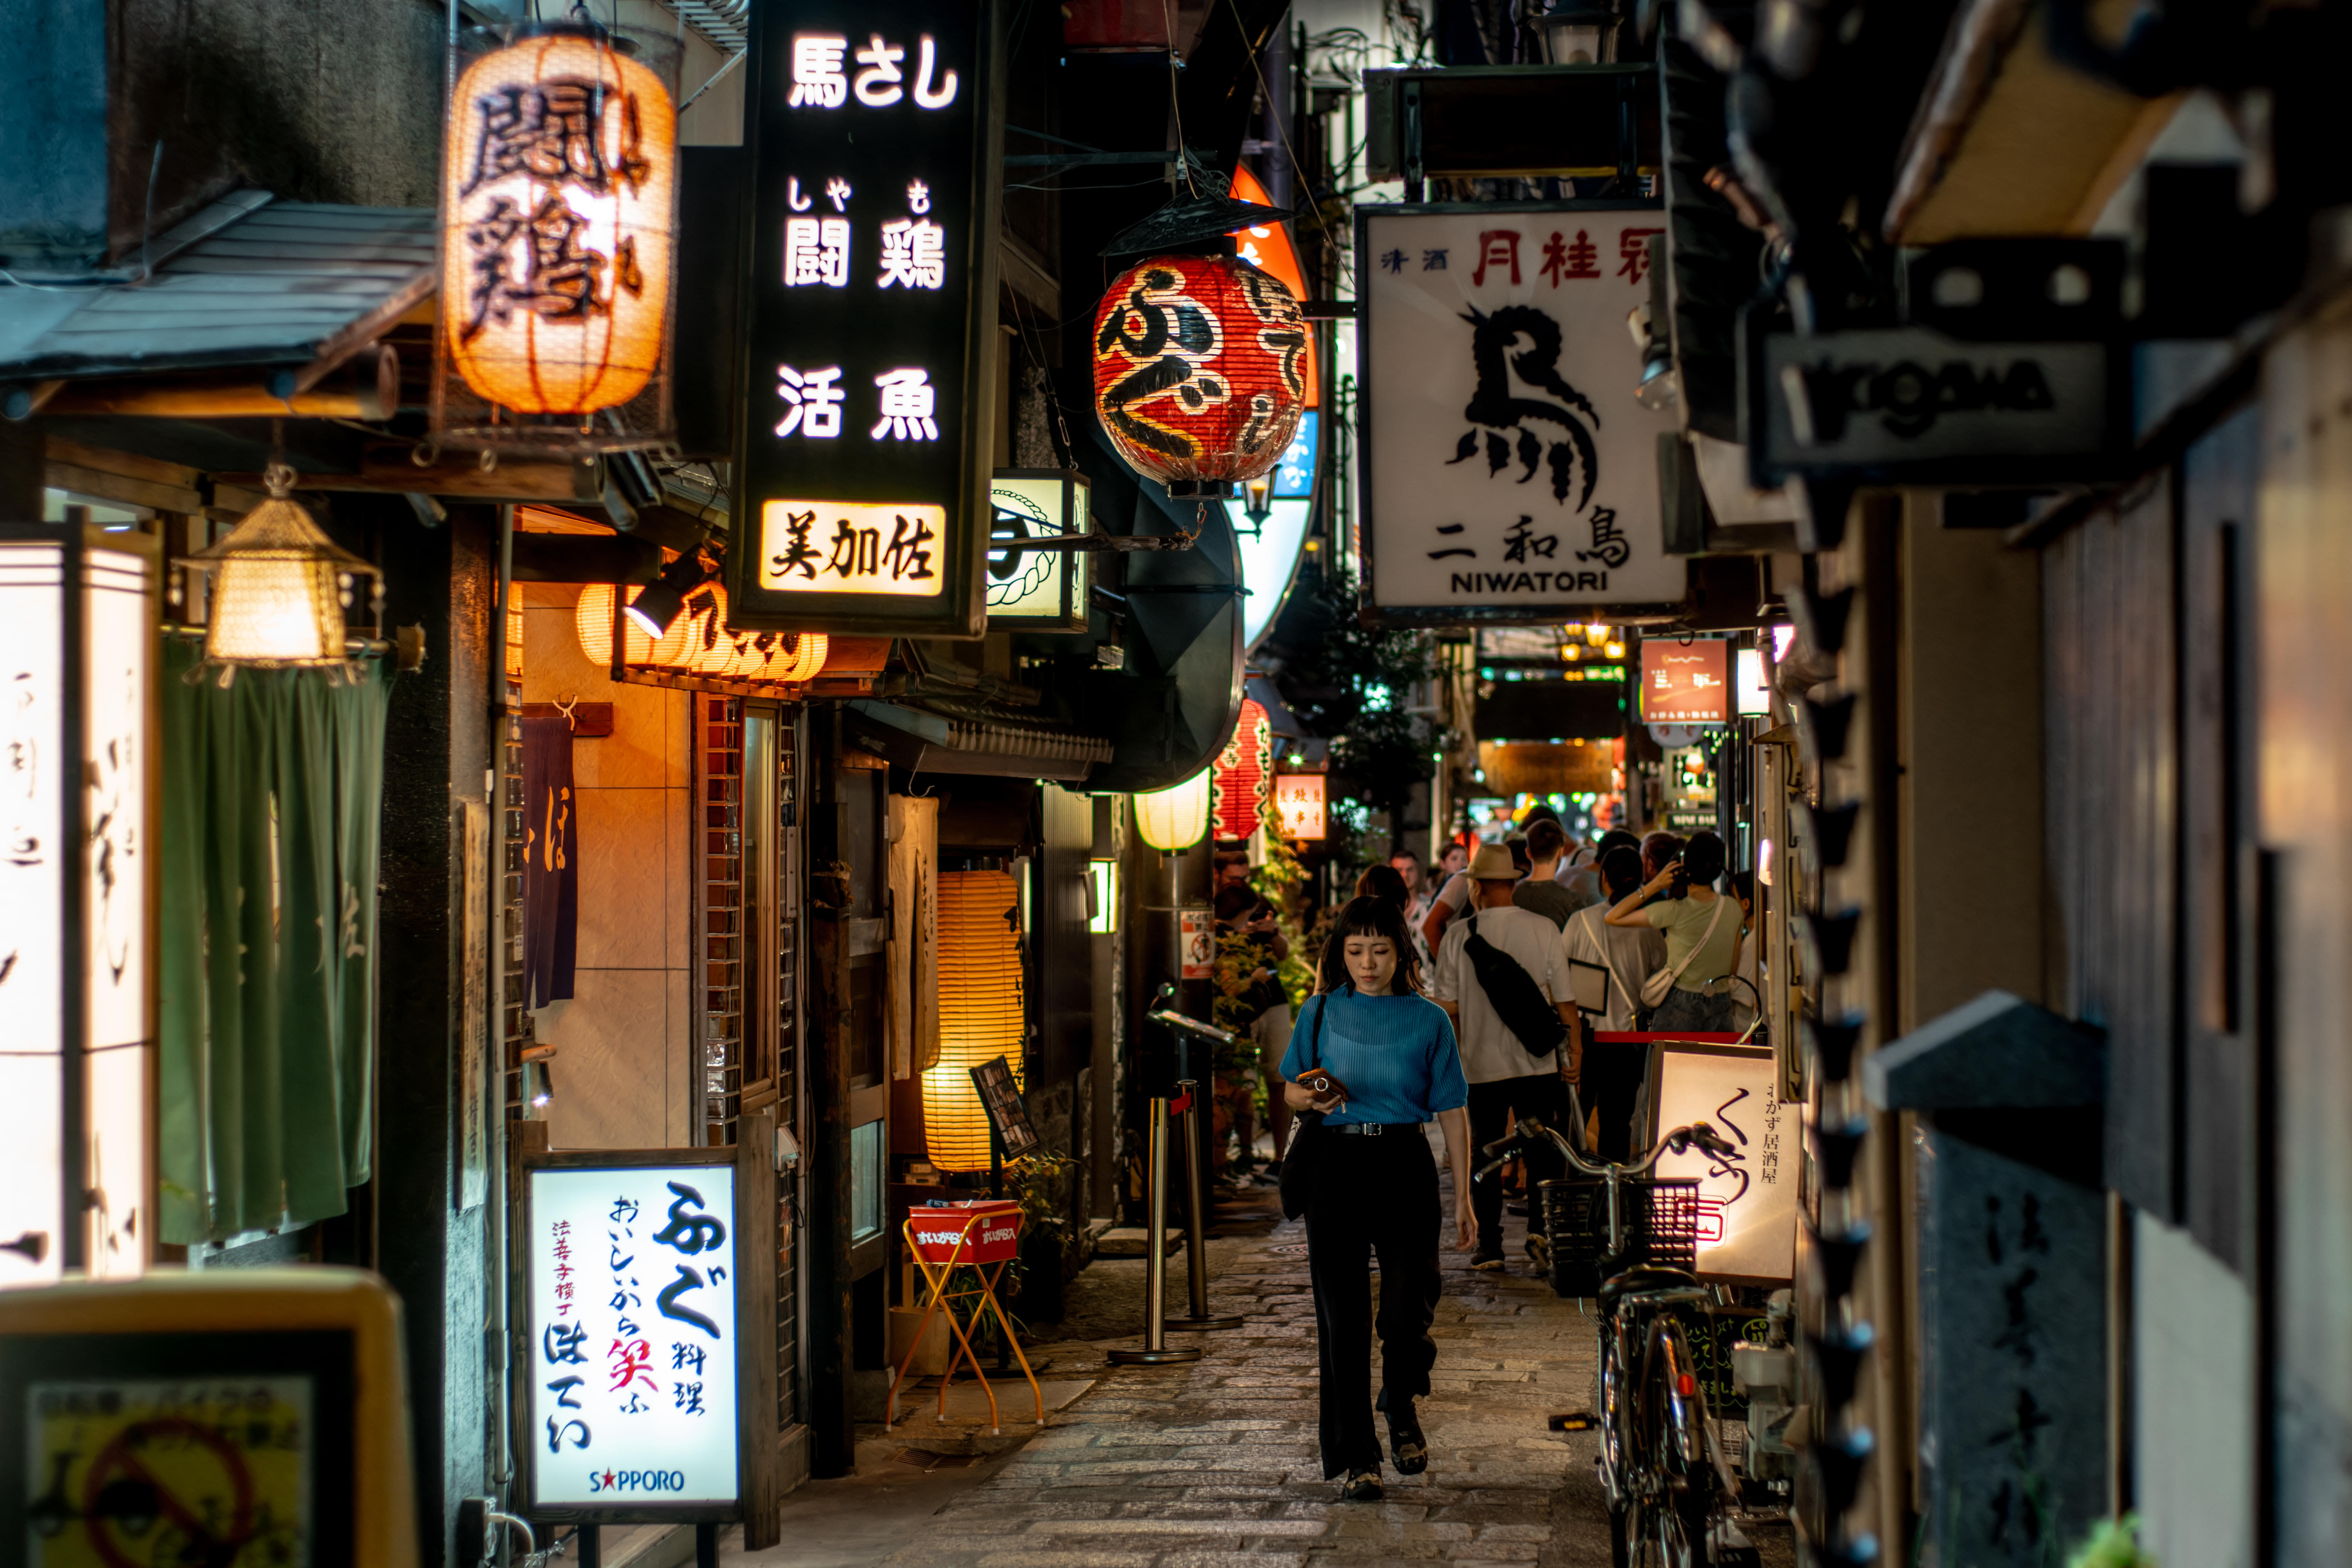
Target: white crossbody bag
[{"x": 1654, "y": 989}]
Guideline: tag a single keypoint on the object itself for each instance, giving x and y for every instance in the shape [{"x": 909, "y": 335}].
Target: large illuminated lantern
[
  {"x": 557, "y": 214},
  {"x": 1200, "y": 370}
]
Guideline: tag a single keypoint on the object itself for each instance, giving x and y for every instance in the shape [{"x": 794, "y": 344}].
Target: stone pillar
[{"x": 2012, "y": 1277}]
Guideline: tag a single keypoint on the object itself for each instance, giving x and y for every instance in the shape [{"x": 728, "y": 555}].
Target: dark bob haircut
[{"x": 1369, "y": 917}]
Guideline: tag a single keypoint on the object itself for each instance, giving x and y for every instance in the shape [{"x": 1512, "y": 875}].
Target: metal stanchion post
[
  {"x": 1155, "y": 1350},
  {"x": 1196, "y": 1245}
]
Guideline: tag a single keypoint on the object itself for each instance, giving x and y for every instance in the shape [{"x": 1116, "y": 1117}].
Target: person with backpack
[{"x": 1500, "y": 977}]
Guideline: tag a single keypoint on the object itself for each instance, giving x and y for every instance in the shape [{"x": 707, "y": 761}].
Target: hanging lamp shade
[
  {"x": 1200, "y": 370},
  {"x": 280, "y": 585},
  {"x": 700, "y": 641},
  {"x": 1244, "y": 772},
  {"x": 557, "y": 222},
  {"x": 980, "y": 1011},
  {"x": 1176, "y": 817}
]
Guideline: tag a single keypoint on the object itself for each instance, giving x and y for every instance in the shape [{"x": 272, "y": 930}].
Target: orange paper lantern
[
  {"x": 557, "y": 214},
  {"x": 980, "y": 1011},
  {"x": 1244, "y": 772},
  {"x": 699, "y": 642},
  {"x": 1200, "y": 368}
]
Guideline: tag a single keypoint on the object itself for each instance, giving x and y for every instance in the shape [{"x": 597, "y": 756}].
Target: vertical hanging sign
[
  {"x": 1509, "y": 474},
  {"x": 861, "y": 499}
]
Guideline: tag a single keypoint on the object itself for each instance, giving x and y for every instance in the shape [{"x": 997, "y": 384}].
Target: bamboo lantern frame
[
  {"x": 983, "y": 1012},
  {"x": 559, "y": 241}
]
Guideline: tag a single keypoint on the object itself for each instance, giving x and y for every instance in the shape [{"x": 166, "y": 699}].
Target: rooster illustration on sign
[{"x": 1496, "y": 352}]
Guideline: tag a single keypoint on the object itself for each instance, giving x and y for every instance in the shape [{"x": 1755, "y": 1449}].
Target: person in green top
[{"x": 1702, "y": 938}]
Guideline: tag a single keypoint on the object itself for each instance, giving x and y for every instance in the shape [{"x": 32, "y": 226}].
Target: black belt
[{"x": 1375, "y": 1129}]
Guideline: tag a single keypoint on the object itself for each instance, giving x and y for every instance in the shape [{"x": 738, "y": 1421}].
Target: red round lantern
[
  {"x": 1245, "y": 774},
  {"x": 1200, "y": 368}
]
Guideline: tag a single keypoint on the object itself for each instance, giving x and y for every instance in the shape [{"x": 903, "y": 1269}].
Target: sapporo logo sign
[{"x": 1511, "y": 473}]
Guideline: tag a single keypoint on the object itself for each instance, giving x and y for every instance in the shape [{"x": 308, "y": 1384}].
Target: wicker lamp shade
[
  {"x": 982, "y": 1011},
  {"x": 1176, "y": 817},
  {"x": 699, "y": 642},
  {"x": 557, "y": 220},
  {"x": 1200, "y": 368},
  {"x": 278, "y": 587},
  {"x": 1244, "y": 770}
]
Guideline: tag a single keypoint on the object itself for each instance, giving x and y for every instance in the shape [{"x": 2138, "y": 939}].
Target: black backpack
[{"x": 1517, "y": 999}]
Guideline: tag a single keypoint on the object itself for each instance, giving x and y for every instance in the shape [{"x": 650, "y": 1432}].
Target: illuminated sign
[
  {"x": 1299, "y": 803},
  {"x": 1038, "y": 590},
  {"x": 862, "y": 482},
  {"x": 1507, "y": 477},
  {"x": 1748, "y": 1201},
  {"x": 1686, "y": 683},
  {"x": 635, "y": 1359}
]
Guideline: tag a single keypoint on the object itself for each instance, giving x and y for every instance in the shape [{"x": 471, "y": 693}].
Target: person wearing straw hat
[{"x": 1509, "y": 1076}]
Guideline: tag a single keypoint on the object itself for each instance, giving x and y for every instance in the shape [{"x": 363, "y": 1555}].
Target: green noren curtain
[{"x": 272, "y": 789}]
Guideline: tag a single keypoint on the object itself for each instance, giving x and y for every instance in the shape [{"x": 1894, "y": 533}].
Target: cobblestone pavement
[{"x": 1214, "y": 1464}]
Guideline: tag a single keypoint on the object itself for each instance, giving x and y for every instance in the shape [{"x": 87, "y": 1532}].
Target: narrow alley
[{"x": 1213, "y": 1465}]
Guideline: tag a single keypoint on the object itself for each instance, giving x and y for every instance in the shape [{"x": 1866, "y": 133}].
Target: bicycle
[{"x": 1666, "y": 1482}]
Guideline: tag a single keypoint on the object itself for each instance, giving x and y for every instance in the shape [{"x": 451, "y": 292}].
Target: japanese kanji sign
[
  {"x": 1747, "y": 1200},
  {"x": 1510, "y": 475},
  {"x": 862, "y": 488},
  {"x": 632, "y": 1339}
]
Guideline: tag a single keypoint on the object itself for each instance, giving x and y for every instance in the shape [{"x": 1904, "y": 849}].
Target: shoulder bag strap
[
  {"x": 1600, "y": 940},
  {"x": 1704, "y": 937}
]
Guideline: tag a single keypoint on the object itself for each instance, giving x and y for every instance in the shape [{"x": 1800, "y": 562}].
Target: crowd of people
[
  {"x": 1458, "y": 1000},
  {"x": 1598, "y": 918}
]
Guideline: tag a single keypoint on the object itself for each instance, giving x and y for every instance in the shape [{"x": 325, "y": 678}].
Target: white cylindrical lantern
[{"x": 1176, "y": 817}]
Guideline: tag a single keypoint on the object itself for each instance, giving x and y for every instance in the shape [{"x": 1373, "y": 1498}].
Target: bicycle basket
[{"x": 1659, "y": 1225}]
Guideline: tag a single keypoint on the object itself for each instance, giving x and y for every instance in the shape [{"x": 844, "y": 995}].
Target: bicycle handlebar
[{"x": 1677, "y": 1141}]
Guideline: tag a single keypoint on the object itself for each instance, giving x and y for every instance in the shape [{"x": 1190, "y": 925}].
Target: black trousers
[
  {"x": 1372, "y": 1196},
  {"x": 1491, "y": 1105}
]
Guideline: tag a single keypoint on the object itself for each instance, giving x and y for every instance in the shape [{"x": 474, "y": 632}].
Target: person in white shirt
[
  {"x": 1612, "y": 1075},
  {"x": 1504, "y": 1078}
]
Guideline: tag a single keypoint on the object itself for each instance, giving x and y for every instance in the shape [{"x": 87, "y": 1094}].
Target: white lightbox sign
[
  {"x": 633, "y": 1380},
  {"x": 1509, "y": 473},
  {"x": 32, "y": 938},
  {"x": 75, "y": 984},
  {"x": 1747, "y": 1203}
]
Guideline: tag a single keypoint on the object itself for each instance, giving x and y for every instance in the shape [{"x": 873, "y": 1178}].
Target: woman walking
[
  {"x": 1393, "y": 1056},
  {"x": 1702, "y": 930}
]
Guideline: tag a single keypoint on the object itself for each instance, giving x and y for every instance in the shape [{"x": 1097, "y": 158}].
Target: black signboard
[
  {"x": 2008, "y": 366},
  {"x": 1002, "y": 1096},
  {"x": 861, "y": 491}
]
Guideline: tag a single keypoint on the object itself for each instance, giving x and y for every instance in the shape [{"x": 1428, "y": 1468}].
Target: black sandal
[{"x": 1363, "y": 1486}]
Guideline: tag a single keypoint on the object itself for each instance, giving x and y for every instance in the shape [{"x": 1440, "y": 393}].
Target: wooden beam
[
  {"x": 123, "y": 478},
  {"x": 372, "y": 391}
]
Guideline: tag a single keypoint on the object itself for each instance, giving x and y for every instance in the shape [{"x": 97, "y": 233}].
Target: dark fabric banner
[
  {"x": 550, "y": 875},
  {"x": 272, "y": 797}
]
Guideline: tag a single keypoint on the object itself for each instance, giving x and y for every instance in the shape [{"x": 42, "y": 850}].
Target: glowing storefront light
[
  {"x": 77, "y": 632},
  {"x": 1176, "y": 817},
  {"x": 981, "y": 1012}
]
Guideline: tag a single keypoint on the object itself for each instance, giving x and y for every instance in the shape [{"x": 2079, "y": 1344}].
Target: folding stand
[{"x": 941, "y": 1239}]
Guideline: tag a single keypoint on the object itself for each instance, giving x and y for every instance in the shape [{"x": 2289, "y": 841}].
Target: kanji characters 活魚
[
  {"x": 909, "y": 402},
  {"x": 814, "y": 399}
]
